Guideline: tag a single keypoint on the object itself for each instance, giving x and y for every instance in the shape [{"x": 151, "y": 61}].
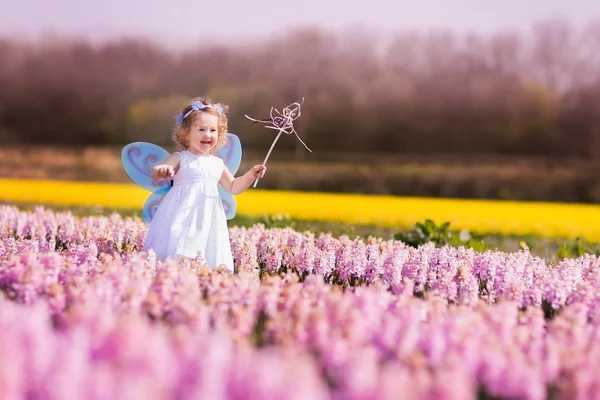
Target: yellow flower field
[{"x": 506, "y": 217}]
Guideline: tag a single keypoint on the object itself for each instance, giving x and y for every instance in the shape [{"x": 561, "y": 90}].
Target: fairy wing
[
  {"x": 151, "y": 205},
  {"x": 231, "y": 154},
  {"x": 138, "y": 159},
  {"x": 228, "y": 202}
]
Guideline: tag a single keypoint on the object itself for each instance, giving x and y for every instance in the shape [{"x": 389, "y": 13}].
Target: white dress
[{"x": 190, "y": 220}]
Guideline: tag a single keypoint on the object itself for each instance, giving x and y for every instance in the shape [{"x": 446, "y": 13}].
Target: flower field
[
  {"x": 85, "y": 314},
  {"x": 503, "y": 217}
]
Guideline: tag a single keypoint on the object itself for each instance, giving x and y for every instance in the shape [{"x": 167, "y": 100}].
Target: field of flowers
[
  {"x": 85, "y": 314},
  {"x": 502, "y": 217}
]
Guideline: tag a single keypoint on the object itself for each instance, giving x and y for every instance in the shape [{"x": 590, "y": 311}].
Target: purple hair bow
[{"x": 197, "y": 106}]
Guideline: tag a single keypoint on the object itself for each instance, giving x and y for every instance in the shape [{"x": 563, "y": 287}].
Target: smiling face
[
  {"x": 204, "y": 133},
  {"x": 195, "y": 129}
]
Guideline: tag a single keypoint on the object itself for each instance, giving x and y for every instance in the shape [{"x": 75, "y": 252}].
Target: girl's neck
[{"x": 198, "y": 154}]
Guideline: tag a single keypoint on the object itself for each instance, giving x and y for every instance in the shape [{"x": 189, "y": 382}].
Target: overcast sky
[{"x": 187, "y": 21}]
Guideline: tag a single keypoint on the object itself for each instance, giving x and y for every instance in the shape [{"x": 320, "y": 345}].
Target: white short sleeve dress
[{"x": 190, "y": 221}]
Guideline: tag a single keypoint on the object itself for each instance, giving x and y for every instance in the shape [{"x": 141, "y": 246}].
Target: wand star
[{"x": 284, "y": 123}]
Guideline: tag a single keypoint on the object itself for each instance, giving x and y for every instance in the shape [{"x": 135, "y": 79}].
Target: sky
[{"x": 181, "y": 23}]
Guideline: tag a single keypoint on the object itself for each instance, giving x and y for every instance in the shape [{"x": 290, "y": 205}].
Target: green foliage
[
  {"x": 577, "y": 248},
  {"x": 258, "y": 332},
  {"x": 277, "y": 221},
  {"x": 428, "y": 231},
  {"x": 425, "y": 232}
]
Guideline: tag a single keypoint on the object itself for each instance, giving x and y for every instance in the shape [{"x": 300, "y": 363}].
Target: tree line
[{"x": 533, "y": 93}]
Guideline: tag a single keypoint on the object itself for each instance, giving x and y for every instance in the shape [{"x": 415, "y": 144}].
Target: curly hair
[{"x": 181, "y": 132}]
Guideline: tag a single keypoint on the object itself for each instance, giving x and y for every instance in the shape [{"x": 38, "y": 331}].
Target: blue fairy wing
[
  {"x": 151, "y": 205},
  {"x": 231, "y": 154},
  {"x": 138, "y": 158},
  {"x": 228, "y": 202}
]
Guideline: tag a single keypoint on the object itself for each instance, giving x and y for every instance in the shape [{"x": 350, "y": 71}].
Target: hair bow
[{"x": 197, "y": 106}]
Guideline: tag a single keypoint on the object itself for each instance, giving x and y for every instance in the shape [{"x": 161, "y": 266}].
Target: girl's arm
[
  {"x": 241, "y": 183},
  {"x": 167, "y": 169}
]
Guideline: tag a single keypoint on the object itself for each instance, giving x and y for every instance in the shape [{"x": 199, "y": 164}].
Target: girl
[{"x": 190, "y": 221}]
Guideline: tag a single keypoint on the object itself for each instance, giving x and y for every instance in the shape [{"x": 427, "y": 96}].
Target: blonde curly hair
[{"x": 181, "y": 132}]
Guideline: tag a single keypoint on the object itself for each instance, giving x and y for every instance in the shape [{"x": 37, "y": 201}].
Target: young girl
[{"x": 190, "y": 221}]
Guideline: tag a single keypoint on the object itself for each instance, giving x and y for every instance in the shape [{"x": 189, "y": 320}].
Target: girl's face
[{"x": 204, "y": 133}]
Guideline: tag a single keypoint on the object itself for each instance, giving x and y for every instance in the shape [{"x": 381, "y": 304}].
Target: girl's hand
[
  {"x": 163, "y": 171},
  {"x": 258, "y": 171}
]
